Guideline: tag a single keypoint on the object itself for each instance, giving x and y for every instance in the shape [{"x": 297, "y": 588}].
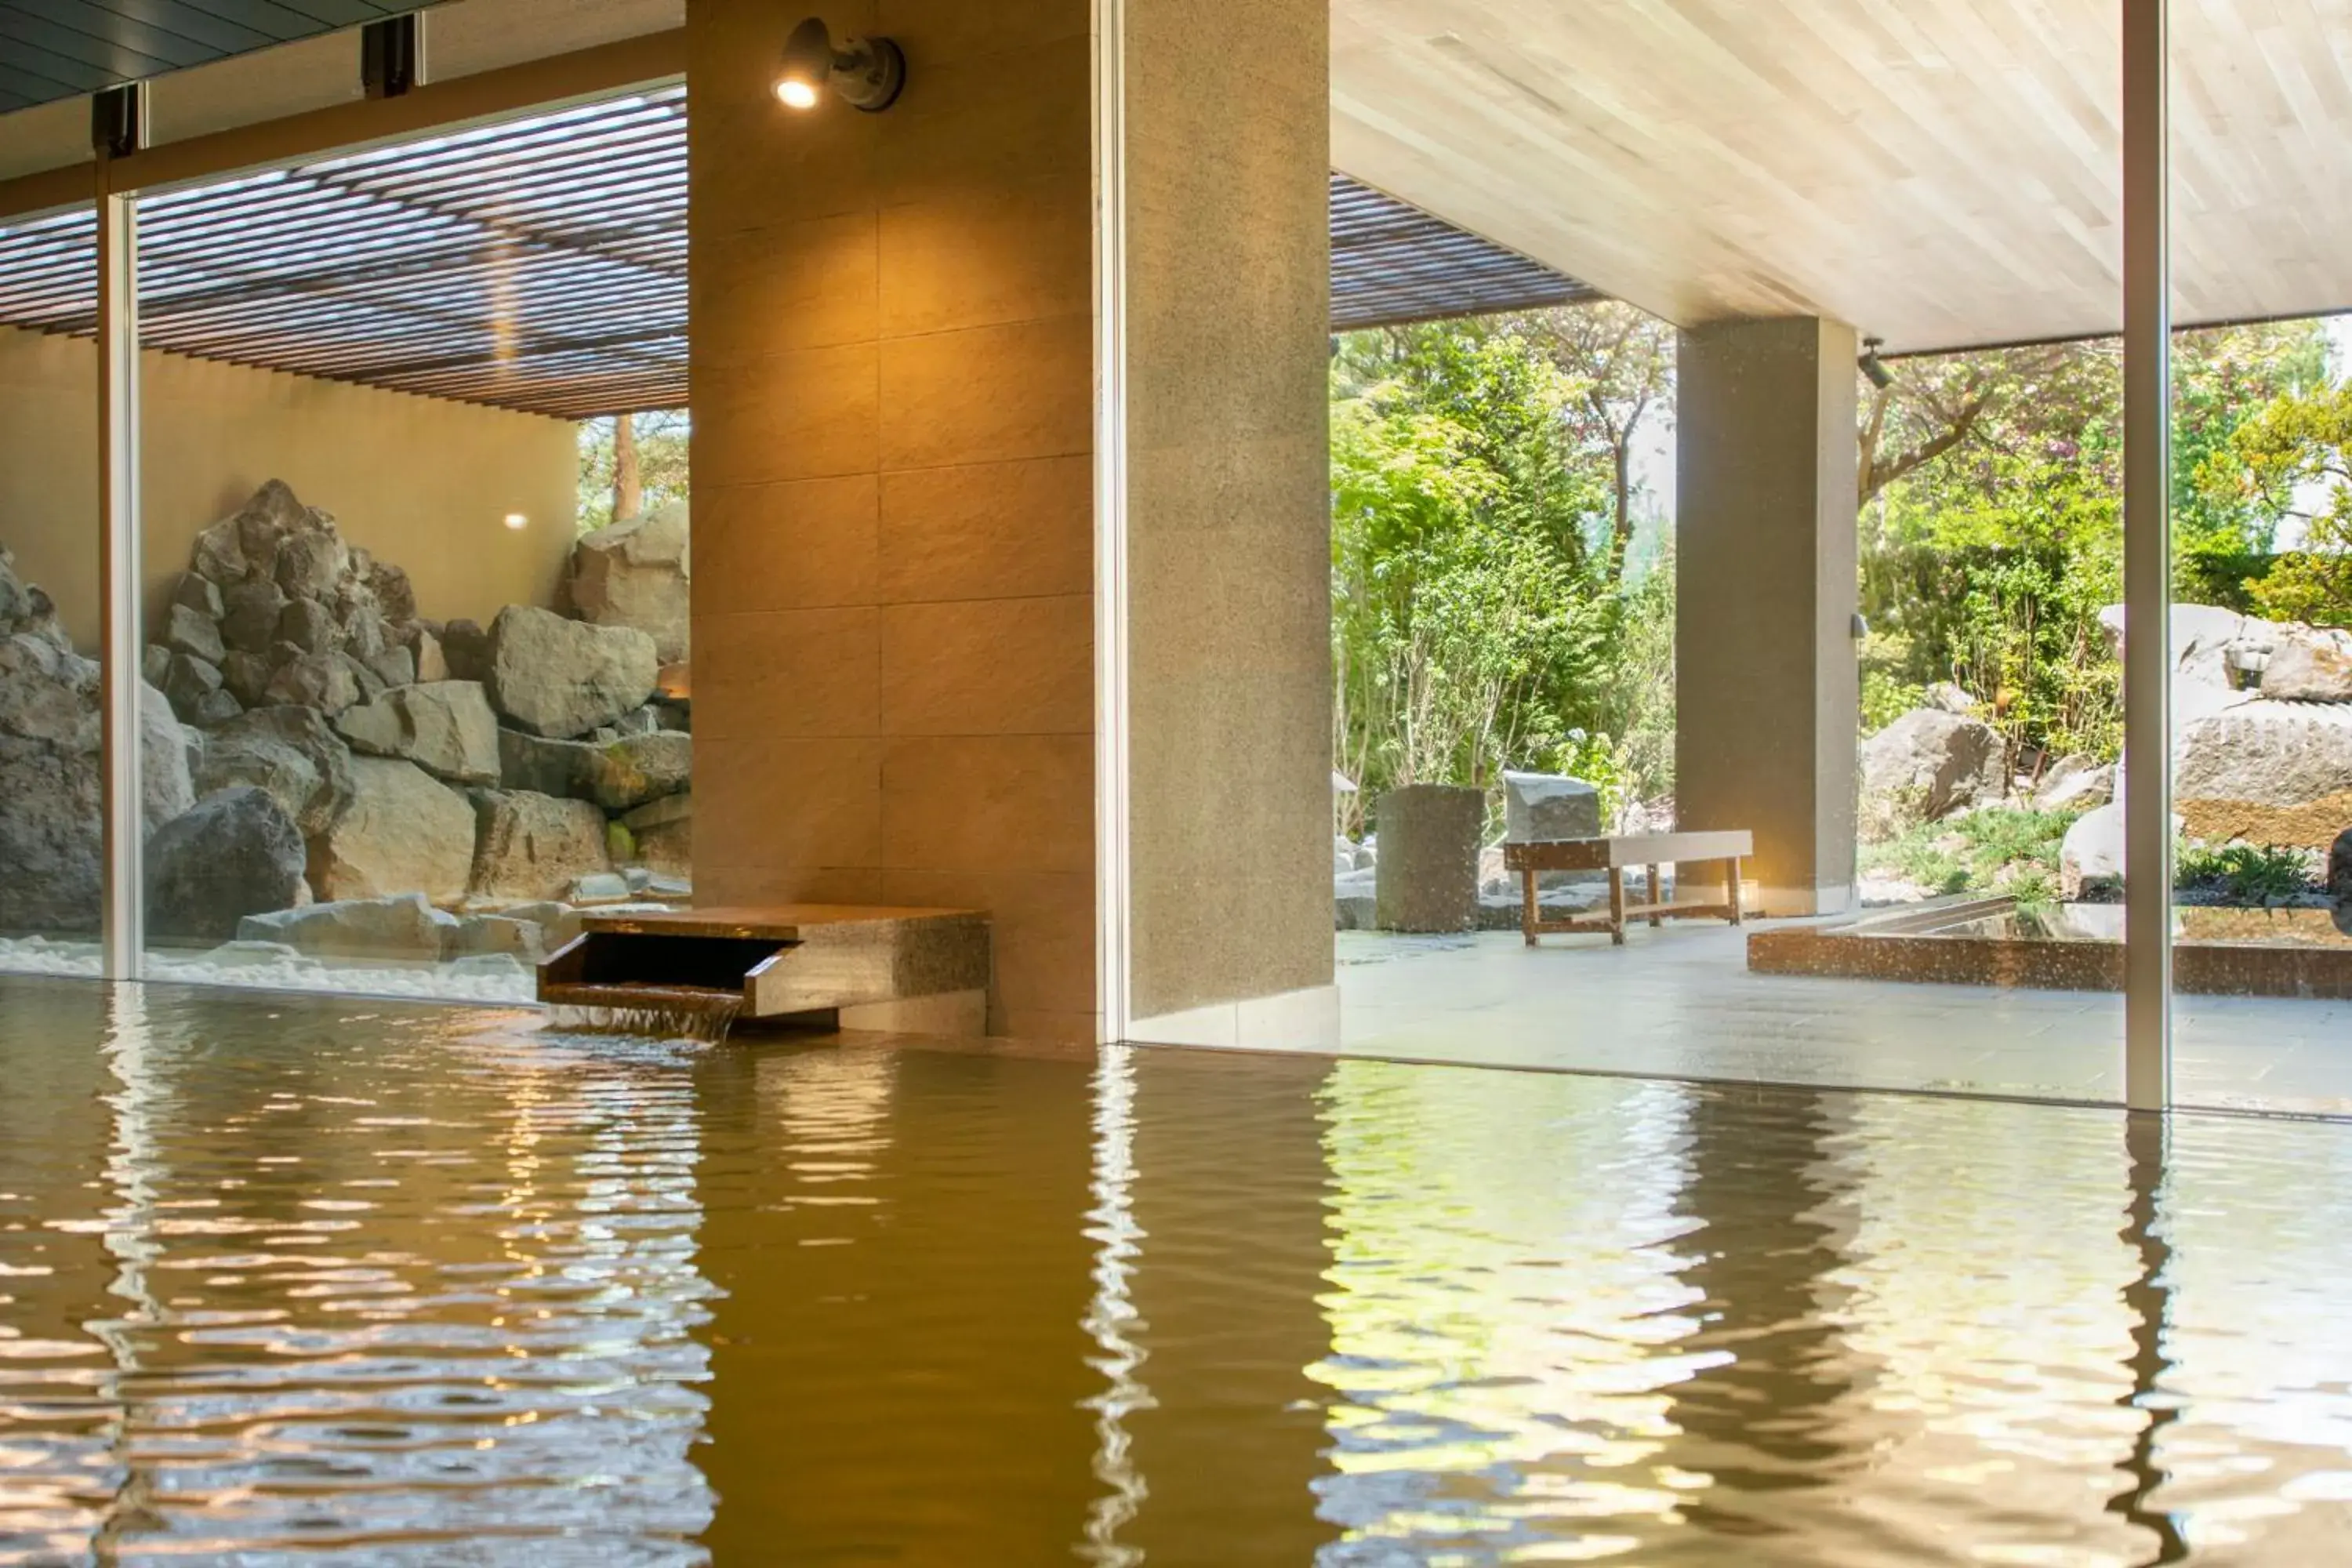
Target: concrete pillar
[
  {"x": 892, "y": 371},
  {"x": 1765, "y": 684},
  {"x": 1228, "y": 538}
]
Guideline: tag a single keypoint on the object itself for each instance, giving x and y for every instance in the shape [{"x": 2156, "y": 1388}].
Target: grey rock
[
  {"x": 324, "y": 681},
  {"x": 663, "y": 835},
  {"x": 365, "y": 636},
  {"x": 401, "y": 926},
  {"x": 394, "y": 593},
  {"x": 2339, "y": 864},
  {"x": 234, "y": 853},
  {"x": 250, "y": 612},
  {"x": 395, "y": 666},
  {"x": 527, "y": 940},
  {"x": 2091, "y": 857},
  {"x": 619, "y": 775},
  {"x": 488, "y": 966},
  {"x": 431, "y": 664},
  {"x": 535, "y": 845},
  {"x": 2268, "y": 772},
  {"x": 1538, "y": 807},
  {"x": 215, "y": 709},
  {"x": 309, "y": 625},
  {"x": 190, "y": 632},
  {"x": 310, "y": 561},
  {"x": 245, "y": 676},
  {"x": 1923, "y": 767},
  {"x": 154, "y": 664},
  {"x": 559, "y": 678},
  {"x": 1427, "y": 878},
  {"x": 50, "y": 782},
  {"x": 370, "y": 684},
  {"x": 644, "y": 720},
  {"x": 2309, "y": 665},
  {"x": 447, "y": 729},
  {"x": 636, "y": 573},
  {"x": 1946, "y": 697},
  {"x": 534, "y": 763},
  {"x": 217, "y": 555},
  {"x": 405, "y": 832},
  {"x": 290, "y": 752},
  {"x": 200, "y": 595},
  {"x": 465, "y": 647},
  {"x": 600, "y": 887},
  {"x": 187, "y": 681},
  {"x": 2076, "y": 784}
]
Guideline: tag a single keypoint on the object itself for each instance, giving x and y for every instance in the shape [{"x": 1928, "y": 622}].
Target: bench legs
[
  {"x": 1532, "y": 924},
  {"x": 1732, "y": 892},
  {"x": 1531, "y": 912}
]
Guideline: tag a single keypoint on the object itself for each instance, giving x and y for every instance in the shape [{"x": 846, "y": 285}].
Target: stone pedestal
[{"x": 1428, "y": 869}]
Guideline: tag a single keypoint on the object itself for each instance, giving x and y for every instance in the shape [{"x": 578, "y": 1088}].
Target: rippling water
[{"x": 285, "y": 1279}]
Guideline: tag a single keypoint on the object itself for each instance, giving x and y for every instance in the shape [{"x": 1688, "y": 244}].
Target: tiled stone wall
[{"x": 892, "y": 387}]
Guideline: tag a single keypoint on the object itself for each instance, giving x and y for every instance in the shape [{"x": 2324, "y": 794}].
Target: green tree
[
  {"x": 660, "y": 440},
  {"x": 1481, "y": 496},
  {"x": 2296, "y": 455}
]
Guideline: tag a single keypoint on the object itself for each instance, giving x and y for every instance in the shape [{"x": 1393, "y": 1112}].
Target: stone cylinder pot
[{"x": 1427, "y": 876}]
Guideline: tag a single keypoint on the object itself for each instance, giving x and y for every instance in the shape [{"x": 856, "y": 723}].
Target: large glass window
[
  {"x": 51, "y": 629},
  {"x": 2261, "y": 607},
  {"x": 415, "y": 574}
]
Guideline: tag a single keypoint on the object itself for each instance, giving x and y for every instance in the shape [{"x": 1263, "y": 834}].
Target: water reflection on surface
[{"x": 283, "y": 1279}]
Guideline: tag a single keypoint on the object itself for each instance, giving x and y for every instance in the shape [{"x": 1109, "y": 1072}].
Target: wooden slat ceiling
[
  {"x": 1392, "y": 263},
  {"x": 1941, "y": 172},
  {"x": 52, "y": 49},
  {"x": 540, "y": 265}
]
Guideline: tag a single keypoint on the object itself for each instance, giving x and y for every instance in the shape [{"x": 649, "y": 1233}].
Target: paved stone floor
[{"x": 1680, "y": 1003}]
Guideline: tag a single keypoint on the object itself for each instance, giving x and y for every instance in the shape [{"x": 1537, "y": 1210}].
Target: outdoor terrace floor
[{"x": 1679, "y": 1002}]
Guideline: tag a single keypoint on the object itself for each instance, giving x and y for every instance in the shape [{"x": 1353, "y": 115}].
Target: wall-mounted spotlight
[
  {"x": 866, "y": 73},
  {"x": 1874, "y": 367}
]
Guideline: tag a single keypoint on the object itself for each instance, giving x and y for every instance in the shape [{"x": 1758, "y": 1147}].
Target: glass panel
[
  {"x": 2261, "y": 539},
  {"x": 1909, "y": 778},
  {"x": 51, "y": 633},
  {"x": 438, "y": 718}
]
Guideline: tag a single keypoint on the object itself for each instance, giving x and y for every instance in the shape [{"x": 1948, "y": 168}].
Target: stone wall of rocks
[{"x": 312, "y": 738}]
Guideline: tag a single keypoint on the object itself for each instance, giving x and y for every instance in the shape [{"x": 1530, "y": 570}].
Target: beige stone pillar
[
  {"x": 1766, "y": 687},
  {"x": 1226, "y": 116},
  {"x": 893, "y": 389}
]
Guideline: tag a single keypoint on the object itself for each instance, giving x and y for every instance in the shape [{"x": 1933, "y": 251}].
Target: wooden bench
[{"x": 1647, "y": 850}]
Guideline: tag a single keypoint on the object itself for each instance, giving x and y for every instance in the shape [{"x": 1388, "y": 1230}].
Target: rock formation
[
  {"x": 636, "y": 573},
  {"x": 235, "y": 853},
  {"x": 1925, "y": 766},
  {"x": 561, "y": 679}
]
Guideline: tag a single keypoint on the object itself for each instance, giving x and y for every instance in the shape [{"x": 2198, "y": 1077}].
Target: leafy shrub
[{"x": 2243, "y": 873}]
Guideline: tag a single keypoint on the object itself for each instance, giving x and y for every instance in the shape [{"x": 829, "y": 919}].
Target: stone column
[
  {"x": 1765, "y": 684},
  {"x": 1227, "y": 121}
]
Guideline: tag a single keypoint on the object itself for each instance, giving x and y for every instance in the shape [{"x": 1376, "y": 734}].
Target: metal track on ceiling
[{"x": 540, "y": 265}]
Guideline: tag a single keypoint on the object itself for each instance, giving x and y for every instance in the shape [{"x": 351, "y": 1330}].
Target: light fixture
[
  {"x": 866, "y": 73},
  {"x": 1874, "y": 367},
  {"x": 517, "y": 519}
]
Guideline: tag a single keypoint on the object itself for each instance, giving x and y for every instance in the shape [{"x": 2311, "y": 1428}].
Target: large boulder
[
  {"x": 51, "y": 777},
  {"x": 2216, "y": 655},
  {"x": 405, "y": 833},
  {"x": 2076, "y": 784},
  {"x": 2309, "y": 664},
  {"x": 1538, "y": 806},
  {"x": 561, "y": 677},
  {"x": 403, "y": 926},
  {"x": 636, "y": 573},
  {"x": 292, "y": 753},
  {"x": 619, "y": 775},
  {"x": 447, "y": 729},
  {"x": 1925, "y": 766},
  {"x": 253, "y": 611},
  {"x": 234, "y": 853},
  {"x": 2267, "y": 772},
  {"x": 2339, "y": 865},
  {"x": 322, "y": 680},
  {"x": 535, "y": 845},
  {"x": 1427, "y": 877},
  {"x": 2091, "y": 856},
  {"x": 661, "y": 836}
]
